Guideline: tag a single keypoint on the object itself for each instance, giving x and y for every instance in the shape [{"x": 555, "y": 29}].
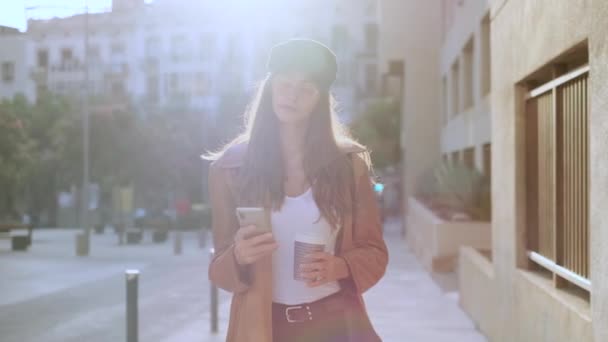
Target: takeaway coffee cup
[{"x": 304, "y": 245}]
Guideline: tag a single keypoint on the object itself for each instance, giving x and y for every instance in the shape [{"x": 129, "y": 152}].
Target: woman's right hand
[{"x": 252, "y": 244}]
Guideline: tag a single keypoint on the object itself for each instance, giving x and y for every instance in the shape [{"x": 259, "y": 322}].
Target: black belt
[{"x": 311, "y": 311}]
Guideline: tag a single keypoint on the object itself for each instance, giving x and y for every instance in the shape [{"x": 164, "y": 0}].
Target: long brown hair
[{"x": 328, "y": 168}]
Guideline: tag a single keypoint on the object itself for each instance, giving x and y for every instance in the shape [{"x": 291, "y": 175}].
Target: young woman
[{"x": 298, "y": 163}]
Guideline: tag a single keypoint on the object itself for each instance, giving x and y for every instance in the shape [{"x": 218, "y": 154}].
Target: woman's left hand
[{"x": 323, "y": 268}]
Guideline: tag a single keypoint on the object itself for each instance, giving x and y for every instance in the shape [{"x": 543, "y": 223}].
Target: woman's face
[{"x": 294, "y": 97}]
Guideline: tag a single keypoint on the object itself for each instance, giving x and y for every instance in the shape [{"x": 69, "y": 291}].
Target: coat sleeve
[
  {"x": 224, "y": 271},
  {"x": 368, "y": 259}
]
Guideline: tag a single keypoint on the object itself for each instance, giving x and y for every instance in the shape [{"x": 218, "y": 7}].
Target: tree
[
  {"x": 379, "y": 128},
  {"x": 48, "y": 124},
  {"x": 14, "y": 154},
  {"x": 32, "y": 141}
]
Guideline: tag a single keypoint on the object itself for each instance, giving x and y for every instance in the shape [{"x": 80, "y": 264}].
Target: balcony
[
  {"x": 116, "y": 70},
  {"x": 39, "y": 74},
  {"x": 71, "y": 65},
  {"x": 150, "y": 64}
]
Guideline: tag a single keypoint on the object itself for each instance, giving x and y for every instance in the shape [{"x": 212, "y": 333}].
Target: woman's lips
[{"x": 288, "y": 108}]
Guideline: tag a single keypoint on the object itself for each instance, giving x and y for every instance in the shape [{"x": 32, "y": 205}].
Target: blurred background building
[
  {"x": 189, "y": 53},
  {"x": 14, "y": 74},
  {"x": 177, "y": 65},
  {"x": 500, "y": 117}
]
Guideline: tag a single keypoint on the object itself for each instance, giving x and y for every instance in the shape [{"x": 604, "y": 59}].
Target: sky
[{"x": 13, "y": 12}]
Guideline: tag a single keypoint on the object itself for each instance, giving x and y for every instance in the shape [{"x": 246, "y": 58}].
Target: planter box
[
  {"x": 477, "y": 289},
  {"x": 20, "y": 242},
  {"x": 134, "y": 236},
  {"x": 436, "y": 242},
  {"x": 160, "y": 235}
]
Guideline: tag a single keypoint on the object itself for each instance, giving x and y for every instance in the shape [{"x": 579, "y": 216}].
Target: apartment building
[
  {"x": 517, "y": 89},
  {"x": 549, "y": 271},
  {"x": 410, "y": 42},
  {"x": 466, "y": 83},
  {"x": 14, "y": 73},
  {"x": 188, "y": 53}
]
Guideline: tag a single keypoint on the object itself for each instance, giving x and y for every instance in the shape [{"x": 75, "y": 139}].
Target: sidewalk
[
  {"x": 406, "y": 306},
  {"x": 50, "y": 295}
]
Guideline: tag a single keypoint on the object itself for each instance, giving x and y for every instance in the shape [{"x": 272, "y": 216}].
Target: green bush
[{"x": 452, "y": 188}]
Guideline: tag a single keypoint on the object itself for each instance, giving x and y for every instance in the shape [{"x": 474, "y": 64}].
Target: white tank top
[{"x": 299, "y": 215}]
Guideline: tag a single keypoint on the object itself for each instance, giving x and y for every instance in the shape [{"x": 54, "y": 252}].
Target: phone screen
[{"x": 253, "y": 216}]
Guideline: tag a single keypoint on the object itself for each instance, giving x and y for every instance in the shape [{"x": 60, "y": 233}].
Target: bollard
[
  {"x": 82, "y": 244},
  {"x": 177, "y": 245},
  {"x": 214, "y": 300},
  {"x": 132, "y": 278},
  {"x": 202, "y": 238}
]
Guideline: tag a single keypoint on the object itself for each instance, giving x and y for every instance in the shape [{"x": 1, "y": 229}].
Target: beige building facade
[
  {"x": 409, "y": 58},
  {"x": 518, "y": 89},
  {"x": 557, "y": 45},
  {"x": 466, "y": 82},
  {"x": 14, "y": 72}
]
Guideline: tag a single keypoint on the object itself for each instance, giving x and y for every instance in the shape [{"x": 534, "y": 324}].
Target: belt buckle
[{"x": 298, "y": 307}]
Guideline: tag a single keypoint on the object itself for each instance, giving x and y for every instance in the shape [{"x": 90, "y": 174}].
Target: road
[{"x": 47, "y": 294}]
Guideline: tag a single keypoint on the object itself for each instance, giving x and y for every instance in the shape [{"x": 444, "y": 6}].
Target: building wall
[
  {"x": 14, "y": 49},
  {"x": 244, "y": 29},
  {"x": 598, "y": 125},
  {"x": 418, "y": 46},
  {"x": 469, "y": 125},
  {"x": 525, "y": 36}
]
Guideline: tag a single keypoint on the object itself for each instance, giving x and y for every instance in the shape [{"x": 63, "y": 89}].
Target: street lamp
[
  {"x": 85, "y": 137},
  {"x": 82, "y": 240}
]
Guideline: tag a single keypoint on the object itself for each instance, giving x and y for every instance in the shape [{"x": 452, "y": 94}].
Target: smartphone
[{"x": 254, "y": 216}]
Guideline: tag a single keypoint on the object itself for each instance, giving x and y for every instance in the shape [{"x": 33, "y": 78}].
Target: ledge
[
  {"x": 484, "y": 264},
  {"x": 565, "y": 297}
]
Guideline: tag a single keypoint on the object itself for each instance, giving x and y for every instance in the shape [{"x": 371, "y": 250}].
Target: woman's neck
[{"x": 292, "y": 144}]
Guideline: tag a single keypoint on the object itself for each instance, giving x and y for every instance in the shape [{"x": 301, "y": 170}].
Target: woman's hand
[
  {"x": 251, "y": 244},
  {"x": 324, "y": 268}
]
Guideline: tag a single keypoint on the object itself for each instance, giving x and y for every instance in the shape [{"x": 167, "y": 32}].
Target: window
[
  {"x": 371, "y": 74},
  {"x": 118, "y": 88},
  {"x": 485, "y": 74},
  {"x": 232, "y": 50},
  {"x": 207, "y": 46},
  {"x": 447, "y": 16},
  {"x": 117, "y": 48},
  {"x": 370, "y": 8},
  {"x": 395, "y": 67},
  {"x": 455, "y": 157},
  {"x": 201, "y": 84},
  {"x": 445, "y": 117},
  {"x": 179, "y": 48},
  {"x": 455, "y": 90},
  {"x": 41, "y": 89},
  {"x": 467, "y": 76},
  {"x": 152, "y": 89},
  {"x": 371, "y": 38},
  {"x": 339, "y": 39},
  {"x": 346, "y": 70},
  {"x": 392, "y": 85},
  {"x": 173, "y": 83},
  {"x": 42, "y": 58},
  {"x": 468, "y": 157},
  {"x": 66, "y": 55},
  {"x": 8, "y": 72},
  {"x": 557, "y": 177},
  {"x": 152, "y": 46},
  {"x": 60, "y": 86},
  {"x": 487, "y": 160},
  {"x": 94, "y": 54}
]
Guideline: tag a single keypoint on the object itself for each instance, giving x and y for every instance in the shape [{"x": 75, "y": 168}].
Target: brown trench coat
[{"x": 360, "y": 243}]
